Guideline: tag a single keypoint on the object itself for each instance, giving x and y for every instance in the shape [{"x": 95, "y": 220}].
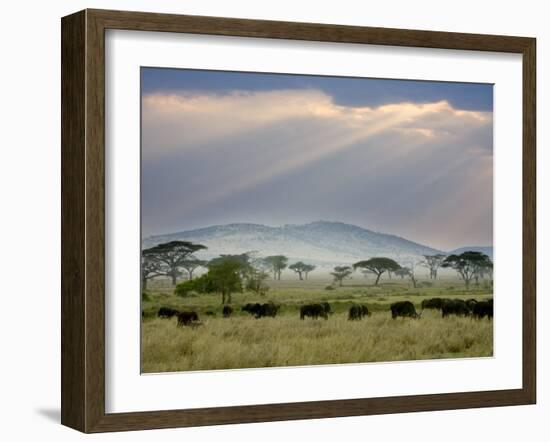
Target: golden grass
[{"x": 245, "y": 342}]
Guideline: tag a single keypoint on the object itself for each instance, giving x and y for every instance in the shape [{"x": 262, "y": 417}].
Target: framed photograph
[{"x": 269, "y": 220}]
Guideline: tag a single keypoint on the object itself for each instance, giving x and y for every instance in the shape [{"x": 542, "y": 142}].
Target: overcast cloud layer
[{"x": 419, "y": 170}]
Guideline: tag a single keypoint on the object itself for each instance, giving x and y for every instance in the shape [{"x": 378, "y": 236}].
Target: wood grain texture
[
  {"x": 529, "y": 220},
  {"x": 73, "y": 253},
  {"x": 83, "y": 220}
]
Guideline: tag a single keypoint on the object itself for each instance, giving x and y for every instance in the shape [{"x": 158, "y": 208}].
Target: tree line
[{"x": 228, "y": 274}]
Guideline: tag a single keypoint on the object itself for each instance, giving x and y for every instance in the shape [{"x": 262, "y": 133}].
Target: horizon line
[{"x": 303, "y": 224}]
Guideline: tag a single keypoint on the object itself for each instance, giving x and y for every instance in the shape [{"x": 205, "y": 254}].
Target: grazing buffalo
[
  {"x": 405, "y": 309},
  {"x": 313, "y": 311},
  {"x": 365, "y": 310},
  {"x": 261, "y": 310},
  {"x": 327, "y": 307},
  {"x": 167, "y": 312},
  {"x": 187, "y": 318},
  {"x": 268, "y": 309},
  {"x": 433, "y": 303},
  {"x": 227, "y": 311},
  {"x": 456, "y": 307},
  {"x": 471, "y": 303},
  {"x": 482, "y": 309},
  {"x": 356, "y": 312},
  {"x": 251, "y": 308}
]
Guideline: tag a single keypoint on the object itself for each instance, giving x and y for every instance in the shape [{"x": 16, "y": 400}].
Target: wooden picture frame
[{"x": 83, "y": 220}]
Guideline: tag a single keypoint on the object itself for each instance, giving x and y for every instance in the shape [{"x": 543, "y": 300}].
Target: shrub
[
  {"x": 183, "y": 288},
  {"x": 203, "y": 284},
  {"x": 329, "y": 287},
  {"x": 145, "y": 297}
]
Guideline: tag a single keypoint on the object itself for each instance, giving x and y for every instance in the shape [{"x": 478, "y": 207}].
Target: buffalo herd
[
  {"x": 458, "y": 307},
  {"x": 261, "y": 310},
  {"x": 404, "y": 309}
]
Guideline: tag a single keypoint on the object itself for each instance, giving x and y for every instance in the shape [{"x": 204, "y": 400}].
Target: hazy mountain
[
  {"x": 488, "y": 250},
  {"x": 322, "y": 243}
]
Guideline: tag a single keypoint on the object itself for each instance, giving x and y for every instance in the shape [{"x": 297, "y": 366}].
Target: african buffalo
[
  {"x": 356, "y": 312},
  {"x": 482, "y": 309},
  {"x": 327, "y": 307},
  {"x": 456, "y": 307},
  {"x": 187, "y": 318},
  {"x": 167, "y": 312},
  {"x": 261, "y": 310},
  {"x": 434, "y": 303},
  {"x": 227, "y": 311},
  {"x": 405, "y": 309},
  {"x": 313, "y": 311},
  {"x": 251, "y": 308},
  {"x": 268, "y": 309},
  {"x": 471, "y": 303}
]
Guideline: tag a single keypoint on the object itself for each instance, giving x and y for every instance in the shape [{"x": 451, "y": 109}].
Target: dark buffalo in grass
[
  {"x": 456, "y": 307},
  {"x": 261, "y": 310},
  {"x": 187, "y": 318},
  {"x": 227, "y": 311},
  {"x": 483, "y": 309},
  {"x": 357, "y": 312},
  {"x": 365, "y": 310},
  {"x": 404, "y": 309},
  {"x": 251, "y": 308},
  {"x": 268, "y": 309},
  {"x": 433, "y": 303},
  {"x": 167, "y": 312},
  {"x": 471, "y": 303},
  {"x": 314, "y": 311},
  {"x": 327, "y": 307}
]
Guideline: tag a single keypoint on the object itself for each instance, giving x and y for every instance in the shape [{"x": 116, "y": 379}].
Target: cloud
[{"x": 202, "y": 151}]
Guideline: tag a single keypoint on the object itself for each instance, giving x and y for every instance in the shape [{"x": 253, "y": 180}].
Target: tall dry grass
[{"x": 244, "y": 342}]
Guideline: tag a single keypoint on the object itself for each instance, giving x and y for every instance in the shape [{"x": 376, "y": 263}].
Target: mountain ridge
[{"x": 324, "y": 243}]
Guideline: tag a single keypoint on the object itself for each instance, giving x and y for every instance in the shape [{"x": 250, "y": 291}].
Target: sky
[{"x": 411, "y": 158}]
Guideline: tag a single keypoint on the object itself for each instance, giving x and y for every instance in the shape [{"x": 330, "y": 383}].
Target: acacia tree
[
  {"x": 378, "y": 266},
  {"x": 225, "y": 277},
  {"x": 433, "y": 262},
  {"x": 467, "y": 264},
  {"x": 245, "y": 267},
  {"x": 190, "y": 265},
  {"x": 485, "y": 270},
  {"x": 308, "y": 268},
  {"x": 366, "y": 273},
  {"x": 340, "y": 273},
  {"x": 402, "y": 272},
  {"x": 172, "y": 255},
  {"x": 150, "y": 269},
  {"x": 277, "y": 263},
  {"x": 256, "y": 282},
  {"x": 299, "y": 268}
]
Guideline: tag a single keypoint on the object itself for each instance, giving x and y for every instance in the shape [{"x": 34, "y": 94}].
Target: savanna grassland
[{"x": 241, "y": 341}]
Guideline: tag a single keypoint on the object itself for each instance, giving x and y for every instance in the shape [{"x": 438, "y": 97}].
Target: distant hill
[
  {"x": 322, "y": 243},
  {"x": 488, "y": 250}
]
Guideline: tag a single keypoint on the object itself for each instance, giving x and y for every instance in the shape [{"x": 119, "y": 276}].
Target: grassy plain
[{"x": 243, "y": 342}]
